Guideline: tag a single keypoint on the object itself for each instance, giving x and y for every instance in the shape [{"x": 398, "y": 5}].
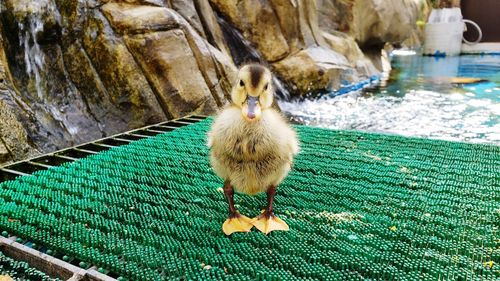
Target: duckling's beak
[
  {"x": 252, "y": 105},
  {"x": 251, "y": 110}
]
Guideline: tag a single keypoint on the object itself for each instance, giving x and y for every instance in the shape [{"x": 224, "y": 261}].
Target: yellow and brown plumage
[{"x": 252, "y": 147}]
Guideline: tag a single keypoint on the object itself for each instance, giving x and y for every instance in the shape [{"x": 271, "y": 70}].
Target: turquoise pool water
[{"x": 419, "y": 97}]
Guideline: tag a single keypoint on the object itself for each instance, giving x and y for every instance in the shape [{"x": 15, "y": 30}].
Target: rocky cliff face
[{"x": 75, "y": 71}]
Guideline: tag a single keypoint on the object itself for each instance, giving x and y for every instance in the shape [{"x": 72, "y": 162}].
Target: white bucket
[
  {"x": 444, "y": 32},
  {"x": 443, "y": 39}
]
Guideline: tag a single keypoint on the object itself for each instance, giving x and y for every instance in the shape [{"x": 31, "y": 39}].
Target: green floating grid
[
  {"x": 19, "y": 270},
  {"x": 359, "y": 206}
]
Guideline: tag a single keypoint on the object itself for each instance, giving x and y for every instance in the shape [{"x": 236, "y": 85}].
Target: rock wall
[
  {"x": 75, "y": 71},
  {"x": 14, "y": 141}
]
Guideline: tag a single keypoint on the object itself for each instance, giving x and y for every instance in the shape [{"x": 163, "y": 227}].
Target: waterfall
[
  {"x": 31, "y": 25},
  {"x": 35, "y": 22},
  {"x": 243, "y": 52},
  {"x": 282, "y": 92},
  {"x": 33, "y": 55}
]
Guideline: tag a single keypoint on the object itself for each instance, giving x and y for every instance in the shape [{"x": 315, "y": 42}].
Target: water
[
  {"x": 33, "y": 56},
  {"x": 29, "y": 27},
  {"x": 418, "y": 98}
]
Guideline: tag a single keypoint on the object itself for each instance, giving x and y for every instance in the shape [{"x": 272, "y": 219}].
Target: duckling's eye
[
  {"x": 265, "y": 87},
  {"x": 242, "y": 84}
]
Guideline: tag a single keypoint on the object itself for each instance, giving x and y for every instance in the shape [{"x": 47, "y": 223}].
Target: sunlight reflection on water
[{"x": 417, "y": 101}]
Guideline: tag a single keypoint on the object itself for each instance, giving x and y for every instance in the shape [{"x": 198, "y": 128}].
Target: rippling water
[{"x": 419, "y": 98}]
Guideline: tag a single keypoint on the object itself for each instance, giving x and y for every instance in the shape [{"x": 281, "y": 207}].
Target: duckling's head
[{"x": 253, "y": 91}]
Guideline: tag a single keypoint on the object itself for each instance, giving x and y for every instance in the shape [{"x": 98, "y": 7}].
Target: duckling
[{"x": 252, "y": 148}]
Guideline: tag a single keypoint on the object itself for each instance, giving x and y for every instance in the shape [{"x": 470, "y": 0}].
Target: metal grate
[{"x": 46, "y": 161}]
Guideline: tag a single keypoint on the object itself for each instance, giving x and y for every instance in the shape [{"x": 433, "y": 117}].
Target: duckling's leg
[
  {"x": 267, "y": 221},
  {"x": 236, "y": 222}
]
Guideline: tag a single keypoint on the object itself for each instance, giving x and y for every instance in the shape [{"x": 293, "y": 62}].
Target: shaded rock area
[
  {"x": 76, "y": 71},
  {"x": 14, "y": 141}
]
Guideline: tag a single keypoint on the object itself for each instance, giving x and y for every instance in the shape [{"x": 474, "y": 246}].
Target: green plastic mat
[
  {"x": 359, "y": 206},
  {"x": 19, "y": 270}
]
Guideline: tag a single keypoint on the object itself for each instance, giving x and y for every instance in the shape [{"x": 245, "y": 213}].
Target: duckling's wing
[
  {"x": 293, "y": 142},
  {"x": 210, "y": 140}
]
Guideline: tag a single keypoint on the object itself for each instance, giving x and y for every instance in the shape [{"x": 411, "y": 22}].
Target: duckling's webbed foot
[
  {"x": 267, "y": 221},
  {"x": 236, "y": 222}
]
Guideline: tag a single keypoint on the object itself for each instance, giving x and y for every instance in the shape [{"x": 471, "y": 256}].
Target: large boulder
[
  {"x": 370, "y": 22},
  {"x": 345, "y": 45},
  {"x": 378, "y": 22},
  {"x": 315, "y": 68},
  {"x": 127, "y": 92},
  {"x": 177, "y": 62}
]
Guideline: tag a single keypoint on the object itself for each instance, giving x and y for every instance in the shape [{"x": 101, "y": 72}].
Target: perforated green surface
[
  {"x": 359, "y": 206},
  {"x": 19, "y": 270}
]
